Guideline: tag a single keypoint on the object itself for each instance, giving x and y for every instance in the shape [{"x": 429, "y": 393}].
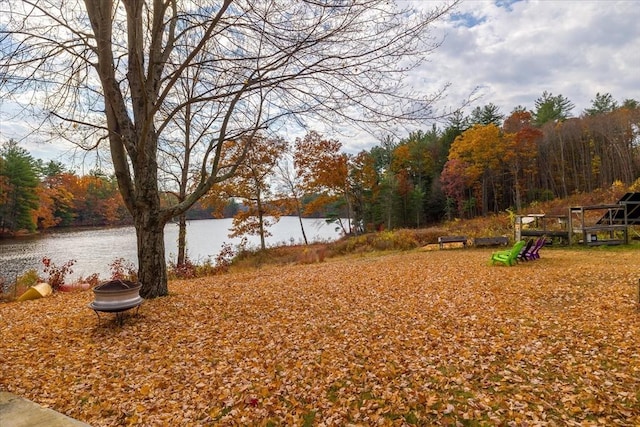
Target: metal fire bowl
[{"x": 116, "y": 295}]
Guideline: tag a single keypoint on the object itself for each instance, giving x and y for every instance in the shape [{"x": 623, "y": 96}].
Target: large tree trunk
[
  {"x": 149, "y": 220},
  {"x": 152, "y": 268}
]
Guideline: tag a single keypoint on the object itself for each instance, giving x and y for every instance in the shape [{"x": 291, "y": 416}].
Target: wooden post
[
  {"x": 570, "y": 227},
  {"x": 639, "y": 294}
]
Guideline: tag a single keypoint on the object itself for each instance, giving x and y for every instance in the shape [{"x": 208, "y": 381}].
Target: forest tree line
[
  {"x": 476, "y": 164},
  {"x": 35, "y": 195}
]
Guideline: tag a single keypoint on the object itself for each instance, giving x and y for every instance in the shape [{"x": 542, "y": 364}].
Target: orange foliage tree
[
  {"x": 481, "y": 150},
  {"x": 252, "y": 183},
  {"x": 522, "y": 149},
  {"x": 56, "y": 200},
  {"x": 324, "y": 171},
  {"x": 412, "y": 164},
  {"x": 92, "y": 199}
]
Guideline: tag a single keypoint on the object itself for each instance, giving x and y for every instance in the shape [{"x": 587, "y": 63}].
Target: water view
[{"x": 95, "y": 249}]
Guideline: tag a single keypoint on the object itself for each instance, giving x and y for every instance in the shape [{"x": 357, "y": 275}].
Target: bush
[
  {"x": 395, "y": 240},
  {"x": 403, "y": 240},
  {"x": 122, "y": 269},
  {"x": 186, "y": 270},
  {"x": 224, "y": 259},
  {"x": 57, "y": 274},
  {"x": 190, "y": 269},
  {"x": 92, "y": 279},
  {"x": 28, "y": 279}
]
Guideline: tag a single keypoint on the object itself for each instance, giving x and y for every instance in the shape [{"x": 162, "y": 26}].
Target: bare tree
[
  {"x": 291, "y": 189},
  {"x": 111, "y": 71},
  {"x": 181, "y": 150}
]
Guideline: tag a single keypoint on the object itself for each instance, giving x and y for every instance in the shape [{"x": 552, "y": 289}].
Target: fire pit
[{"x": 116, "y": 296}]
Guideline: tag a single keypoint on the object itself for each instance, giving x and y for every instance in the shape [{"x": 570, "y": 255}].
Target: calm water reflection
[{"x": 94, "y": 249}]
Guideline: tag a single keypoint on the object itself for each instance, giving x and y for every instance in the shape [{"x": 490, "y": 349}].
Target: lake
[{"x": 94, "y": 249}]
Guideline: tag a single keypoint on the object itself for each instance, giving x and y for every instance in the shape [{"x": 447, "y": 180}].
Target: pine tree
[{"x": 21, "y": 179}]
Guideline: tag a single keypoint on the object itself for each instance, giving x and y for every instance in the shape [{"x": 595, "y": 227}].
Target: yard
[{"x": 414, "y": 338}]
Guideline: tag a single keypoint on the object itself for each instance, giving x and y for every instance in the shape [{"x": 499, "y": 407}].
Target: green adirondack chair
[{"x": 509, "y": 257}]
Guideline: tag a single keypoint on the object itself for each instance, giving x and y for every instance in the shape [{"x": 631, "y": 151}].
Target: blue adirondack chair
[{"x": 509, "y": 257}]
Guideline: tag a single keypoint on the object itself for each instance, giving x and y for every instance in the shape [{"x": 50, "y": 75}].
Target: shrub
[
  {"x": 57, "y": 274},
  {"x": 403, "y": 239},
  {"x": 92, "y": 279},
  {"x": 190, "y": 269},
  {"x": 224, "y": 259},
  {"x": 186, "y": 270},
  {"x": 122, "y": 269},
  {"x": 28, "y": 279},
  {"x": 311, "y": 254}
]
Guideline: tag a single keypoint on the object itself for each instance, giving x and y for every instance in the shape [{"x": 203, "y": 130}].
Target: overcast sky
[{"x": 513, "y": 51}]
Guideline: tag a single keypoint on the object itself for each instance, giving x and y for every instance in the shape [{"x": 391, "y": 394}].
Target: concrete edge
[{"x": 16, "y": 411}]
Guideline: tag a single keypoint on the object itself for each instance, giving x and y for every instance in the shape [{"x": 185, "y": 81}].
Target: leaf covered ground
[{"x": 415, "y": 338}]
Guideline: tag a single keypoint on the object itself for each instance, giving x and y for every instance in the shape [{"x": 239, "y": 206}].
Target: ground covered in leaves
[{"x": 414, "y": 338}]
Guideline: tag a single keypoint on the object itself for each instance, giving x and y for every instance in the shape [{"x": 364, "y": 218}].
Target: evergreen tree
[
  {"x": 21, "y": 177},
  {"x": 550, "y": 108},
  {"x": 630, "y": 104},
  {"x": 601, "y": 104},
  {"x": 488, "y": 114}
]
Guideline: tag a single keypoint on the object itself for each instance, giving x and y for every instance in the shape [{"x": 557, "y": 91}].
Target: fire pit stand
[{"x": 116, "y": 296}]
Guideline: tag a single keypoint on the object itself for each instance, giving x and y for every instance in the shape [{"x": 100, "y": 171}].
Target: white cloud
[
  {"x": 513, "y": 51},
  {"x": 516, "y": 51}
]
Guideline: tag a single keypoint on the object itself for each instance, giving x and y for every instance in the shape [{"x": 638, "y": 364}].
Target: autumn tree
[
  {"x": 589, "y": 152},
  {"x": 253, "y": 184},
  {"x": 323, "y": 168},
  {"x": 96, "y": 200},
  {"x": 610, "y": 143},
  {"x": 456, "y": 185},
  {"x": 413, "y": 164},
  {"x": 55, "y": 204},
  {"x": 291, "y": 189},
  {"x": 110, "y": 71},
  {"x": 479, "y": 152},
  {"x": 521, "y": 151}
]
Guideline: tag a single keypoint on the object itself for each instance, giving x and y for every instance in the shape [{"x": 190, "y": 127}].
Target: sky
[
  {"x": 513, "y": 51},
  {"x": 508, "y": 52}
]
